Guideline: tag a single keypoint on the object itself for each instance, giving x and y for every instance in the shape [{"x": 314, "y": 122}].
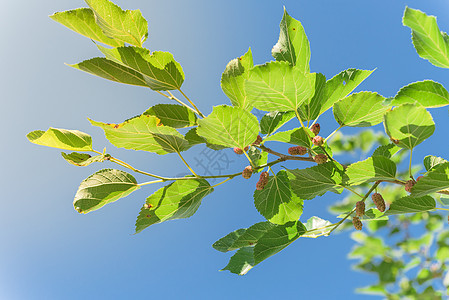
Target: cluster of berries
[
  {"x": 409, "y": 184},
  {"x": 317, "y": 141},
  {"x": 360, "y": 209}
]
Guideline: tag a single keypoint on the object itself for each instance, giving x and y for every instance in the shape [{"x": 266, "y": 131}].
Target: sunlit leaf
[
  {"x": 61, "y": 138},
  {"x": 431, "y": 162},
  {"x": 173, "y": 115},
  {"x": 103, "y": 187},
  {"x": 177, "y": 200},
  {"x": 428, "y": 93},
  {"x": 435, "y": 180},
  {"x": 371, "y": 169},
  {"x": 275, "y": 119},
  {"x": 411, "y": 204},
  {"x": 311, "y": 108},
  {"x": 81, "y": 159},
  {"x": 295, "y": 136}
]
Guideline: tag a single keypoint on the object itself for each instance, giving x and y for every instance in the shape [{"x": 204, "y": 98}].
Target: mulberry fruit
[
  {"x": 240, "y": 151},
  {"x": 409, "y": 185},
  {"x": 297, "y": 150},
  {"x": 315, "y": 128},
  {"x": 258, "y": 140},
  {"x": 247, "y": 172},
  {"x": 357, "y": 223},
  {"x": 360, "y": 208},
  {"x": 263, "y": 180},
  {"x": 318, "y": 140},
  {"x": 320, "y": 158},
  {"x": 378, "y": 201}
]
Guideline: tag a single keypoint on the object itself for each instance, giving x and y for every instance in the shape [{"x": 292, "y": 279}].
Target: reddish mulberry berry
[
  {"x": 417, "y": 179},
  {"x": 409, "y": 185},
  {"x": 263, "y": 180},
  {"x": 320, "y": 158},
  {"x": 238, "y": 151},
  {"x": 258, "y": 140},
  {"x": 297, "y": 150},
  {"x": 315, "y": 128},
  {"x": 318, "y": 140},
  {"x": 357, "y": 223},
  {"x": 247, "y": 172},
  {"x": 378, "y": 201},
  {"x": 360, "y": 208}
]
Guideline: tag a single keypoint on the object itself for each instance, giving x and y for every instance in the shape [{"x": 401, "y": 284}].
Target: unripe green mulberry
[
  {"x": 320, "y": 158},
  {"x": 315, "y": 128},
  {"x": 378, "y": 201},
  {"x": 409, "y": 185},
  {"x": 263, "y": 180},
  {"x": 357, "y": 223},
  {"x": 258, "y": 140},
  {"x": 297, "y": 150},
  {"x": 247, "y": 172},
  {"x": 360, "y": 208},
  {"x": 318, "y": 140}
]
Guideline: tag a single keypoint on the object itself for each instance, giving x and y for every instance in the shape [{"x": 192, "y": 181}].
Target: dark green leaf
[
  {"x": 241, "y": 262},
  {"x": 252, "y": 235},
  {"x": 311, "y": 109},
  {"x": 277, "y": 202},
  {"x": 410, "y": 204},
  {"x": 295, "y": 136},
  {"x": 275, "y": 119},
  {"x": 173, "y": 115},
  {"x": 82, "y": 159},
  {"x": 435, "y": 180},
  {"x": 225, "y": 243},
  {"x": 431, "y": 162},
  {"x": 258, "y": 158}
]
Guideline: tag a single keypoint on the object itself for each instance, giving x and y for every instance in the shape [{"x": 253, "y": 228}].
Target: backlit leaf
[
  {"x": 173, "y": 115},
  {"x": 295, "y": 136},
  {"x": 428, "y": 93},
  {"x": 103, "y": 187},
  {"x": 275, "y": 119},
  {"x": 409, "y": 125},
  {"x": 126, "y": 26},
  {"x": 233, "y": 79},
  {"x": 435, "y": 180},
  {"x": 311, "y": 108},
  {"x": 371, "y": 169},
  {"x": 81, "y": 159},
  {"x": 61, "y": 138},
  {"x": 177, "y": 200},
  {"x": 431, "y": 162}
]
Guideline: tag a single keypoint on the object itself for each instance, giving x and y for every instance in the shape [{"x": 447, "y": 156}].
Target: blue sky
[{"x": 49, "y": 251}]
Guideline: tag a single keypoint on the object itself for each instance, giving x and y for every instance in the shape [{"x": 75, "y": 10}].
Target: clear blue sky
[{"x": 49, "y": 251}]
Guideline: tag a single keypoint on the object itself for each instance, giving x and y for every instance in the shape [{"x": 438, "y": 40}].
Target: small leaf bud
[
  {"x": 378, "y": 201},
  {"x": 320, "y": 158},
  {"x": 258, "y": 140},
  {"x": 360, "y": 208},
  {"x": 247, "y": 172},
  {"x": 409, "y": 185},
  {"x": 318, "y": 140},
  {"x": 297, "y": 150},
  {"x": 315, "y": 128},
  {"x": 357, "y": 223}
]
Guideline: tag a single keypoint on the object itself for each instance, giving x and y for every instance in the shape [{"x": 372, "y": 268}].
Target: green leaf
[
  {"x": 362, "y": 109},
  {"x": 435, "y": 180},
  {"x": 241, "y": 262},
  {"x": 233, "y": 79},
  {"x": 103, "y": 187},
  {"x": 61, "y": 138},
  {"x": 82, "y": 21},
  {"x": 127, "y": 26},
  {"x": 311, "y": 109},
  {"x": 293, "y": 45},
  {"x": 177, "y": 200},
  {"x": 430, "y": 162},
  {"x": 410, "y": 204},
  {"x": 252, "y": 235},
  {"x": 315, "y": 181},
  {"x": 225, "y": 243},
  {"x": 315, "y": 228},
  {"x": 428, "y": 93},
  {"x": 341, "y": 85},
  {"x": 271, "y": 121},
  {"x": 110, "y": 70},
  {"x": 409, "y": 125},
  {"x": 173, "y": 115},
  {"x": 82, "y": 159},
  {"x": 276, "y": 239},
  {"x": 229, "y": 126},
  {"x": 277, "y": 202},
  {"x": 159, "y": 70},
  {"x": 387, "y": 150},
  {"x": 144, "y": 133},
  {"x": 371, "y": 169},
  {"x": 258, "y": 158},
  {"x": 194, "y": 139},
  {"x": 295, "y": 136},
  {"x": 277, "y": 86},
  {"x": 430, "y": 43}
]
